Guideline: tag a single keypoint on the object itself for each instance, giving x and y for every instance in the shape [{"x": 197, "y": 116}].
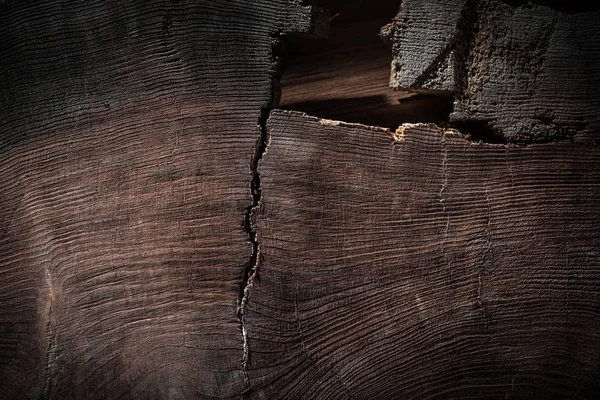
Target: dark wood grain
[
  {"x": 524, "y": 74},
  {"x": 127, "y": 133},
  {"x": 418, "y": 264}
]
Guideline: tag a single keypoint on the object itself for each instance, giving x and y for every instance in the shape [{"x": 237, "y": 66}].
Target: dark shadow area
[
  {"x": 375, "y": 110},
  {"x": 570, "y": 7},
  {"x": 480, "y": 131},
  {"x": 346, "y": 76}
]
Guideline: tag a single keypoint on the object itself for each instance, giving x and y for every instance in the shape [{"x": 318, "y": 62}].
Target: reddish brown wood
[
  {"x": 127, "y": 133},
  {"x": 133, "y": 264},
  {"x": 417, "y": 264}
]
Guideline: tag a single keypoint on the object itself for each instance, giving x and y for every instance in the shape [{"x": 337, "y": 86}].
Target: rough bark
[
  {"x": 127, "y": 135},
  {"x": 418, "y": 264},
  {"x": 524, "y": 74}
]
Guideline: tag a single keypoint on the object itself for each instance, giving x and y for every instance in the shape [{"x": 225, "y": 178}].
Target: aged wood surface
[
  {"x": 523, "y": 74},
  {"x": 127, "y": 132},
  {"x": 413, "y": 264},
  {"x": 418, "y": 264}
]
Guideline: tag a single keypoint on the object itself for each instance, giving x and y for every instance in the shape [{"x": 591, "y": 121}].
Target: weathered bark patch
[{"x": 523, "y": 74}]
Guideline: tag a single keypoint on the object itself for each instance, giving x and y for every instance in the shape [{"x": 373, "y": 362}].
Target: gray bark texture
[{"x": 523, "y": 74}]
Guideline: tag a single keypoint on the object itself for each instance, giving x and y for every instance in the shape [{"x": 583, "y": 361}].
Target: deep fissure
[
  {"x": 351, "y": 48},
  {"x": 251, "y": 269},
  {"x": 250, "y": 273}
]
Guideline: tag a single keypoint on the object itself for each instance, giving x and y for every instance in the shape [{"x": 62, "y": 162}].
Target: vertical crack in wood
[
  {"x": 251, "y": 270},
  {"x": 443, "y": 202},
  {"x": 488, "y": 259}
]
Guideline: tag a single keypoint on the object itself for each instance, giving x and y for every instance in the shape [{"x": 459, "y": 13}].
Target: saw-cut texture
[
  {"x": 524, "y": 74},
  {"x": 127, "y": 132},
  {"x": 421, "y": 265}
]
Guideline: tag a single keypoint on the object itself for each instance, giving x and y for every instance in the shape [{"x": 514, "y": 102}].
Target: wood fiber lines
[
  {"x": 126, "y": 136},
  {"x": 421, "y": 265}
]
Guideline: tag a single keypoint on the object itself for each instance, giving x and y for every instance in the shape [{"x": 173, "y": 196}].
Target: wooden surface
[
  {"x": 418, "y": 264},
  {"x": 127, "y": 134},
  {"x": 522, "y": 74},
  {"x": 133, "y": 264}
]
